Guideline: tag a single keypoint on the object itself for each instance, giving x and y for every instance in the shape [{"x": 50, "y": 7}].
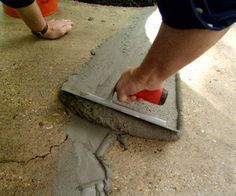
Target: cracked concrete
[
  {"x": 32, "y": 119},
  {"x": 36, "y": 156}
]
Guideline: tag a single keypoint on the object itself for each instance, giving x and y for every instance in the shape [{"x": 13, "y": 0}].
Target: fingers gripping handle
[{"x": 156, "y": 96}]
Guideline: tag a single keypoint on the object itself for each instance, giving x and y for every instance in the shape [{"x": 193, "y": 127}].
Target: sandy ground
[{"x": 32, "y": 119}]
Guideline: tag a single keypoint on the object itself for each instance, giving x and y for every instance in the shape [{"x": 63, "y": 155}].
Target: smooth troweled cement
[{"x": 100, "y": 74}]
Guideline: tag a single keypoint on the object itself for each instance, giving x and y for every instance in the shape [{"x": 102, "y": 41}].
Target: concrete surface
[
  {"x": 99, "y": 76},
  {"x": 32, "y": 120}
]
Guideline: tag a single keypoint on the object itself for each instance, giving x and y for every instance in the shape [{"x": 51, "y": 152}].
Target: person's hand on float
[{"x": 134, "y": 80}]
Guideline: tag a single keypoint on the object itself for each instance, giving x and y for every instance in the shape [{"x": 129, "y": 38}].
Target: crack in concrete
[{"x": 35, "y": 157}]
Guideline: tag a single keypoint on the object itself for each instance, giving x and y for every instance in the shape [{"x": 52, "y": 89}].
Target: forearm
[
  {"x": 32, "y": 17},
  {"x": 174, "y": 49},
  {"x": 29, "y": 12}
]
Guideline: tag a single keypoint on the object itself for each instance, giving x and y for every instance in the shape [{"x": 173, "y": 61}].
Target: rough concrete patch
[{"x": 100, "y": 75}]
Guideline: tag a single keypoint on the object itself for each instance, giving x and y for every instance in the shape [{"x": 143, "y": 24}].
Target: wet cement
[
  {"x": 100, "y": 74},
  {"x": 82, "y": 170}
]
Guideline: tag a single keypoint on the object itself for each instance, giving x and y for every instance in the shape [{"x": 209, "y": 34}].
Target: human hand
[
  {"x": 133, "y": 81},
  {"x": 57, "y": 28}
]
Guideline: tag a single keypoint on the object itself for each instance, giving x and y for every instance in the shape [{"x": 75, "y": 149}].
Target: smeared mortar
[{"x": 100, "y": 74}]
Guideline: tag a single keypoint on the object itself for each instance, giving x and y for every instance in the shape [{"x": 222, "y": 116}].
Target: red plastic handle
[{"x": 156, "y": 96}]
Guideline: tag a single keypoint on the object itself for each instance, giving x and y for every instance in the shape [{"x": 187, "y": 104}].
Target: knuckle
[{"x": 61, "y": 31}]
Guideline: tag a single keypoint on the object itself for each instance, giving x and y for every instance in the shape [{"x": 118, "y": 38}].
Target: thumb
[{"x": 122, "y": 97}]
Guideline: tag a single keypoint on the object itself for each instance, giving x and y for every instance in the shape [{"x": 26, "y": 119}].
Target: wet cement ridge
[
  {"x": 82, "y": 169},
  {"x": 100, "y": 74},
  {"x": 123, "y": 121}
]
